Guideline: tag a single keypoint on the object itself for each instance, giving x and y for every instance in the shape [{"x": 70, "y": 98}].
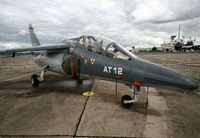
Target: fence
[
  {"x": 189, "y": 70},
  {"x": 18, "y": 67}
]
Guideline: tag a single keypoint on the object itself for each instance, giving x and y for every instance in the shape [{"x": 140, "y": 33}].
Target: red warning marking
[
  {"x": 92, "y": 61},
  {"x": 118, "y": 77},
  {"x": 147, "y": 101},
  {"x": 70, "y": 50},
  {"x": 125, "y": 77},
  {"x": 72, "y": 68},
  {"x": 137, "y": 83},
  {"x": 116, "y": 88},
  {"x": 30, "y": 26}
]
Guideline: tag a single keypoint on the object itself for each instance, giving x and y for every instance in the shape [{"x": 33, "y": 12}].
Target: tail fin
[
  {"x": 34, "y": 39},
  {"x": 179, "y": 31}
]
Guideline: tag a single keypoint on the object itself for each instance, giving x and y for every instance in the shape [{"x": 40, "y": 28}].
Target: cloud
[
  {"x": 23, "y": 32},
  {"x": 13, "y": 45},
  {"x": 152, "y": 11},
  {"x": 165, "y": 11},
  {"x": 143, "y": 23}
]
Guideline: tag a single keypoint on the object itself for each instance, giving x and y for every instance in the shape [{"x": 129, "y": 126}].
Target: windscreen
[{"x": 101, "y": 45}]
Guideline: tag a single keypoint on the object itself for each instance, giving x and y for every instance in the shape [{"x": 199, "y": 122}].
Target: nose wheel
[{"x": 127, "y": 100}]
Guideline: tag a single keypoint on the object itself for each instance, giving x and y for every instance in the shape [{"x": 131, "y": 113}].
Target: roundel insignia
[
  {"x": 92, "y": 61},
  {"x": 87, "y": 93}
]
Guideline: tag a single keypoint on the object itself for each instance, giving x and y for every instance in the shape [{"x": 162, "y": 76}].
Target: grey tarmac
[{"x": 57, "y": 108}]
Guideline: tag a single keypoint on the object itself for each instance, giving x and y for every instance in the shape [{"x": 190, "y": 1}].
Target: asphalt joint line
[{"x": 80, "y": 118}]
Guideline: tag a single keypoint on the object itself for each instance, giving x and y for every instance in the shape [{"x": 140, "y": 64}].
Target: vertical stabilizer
[
  {"x": 34, "y": 39},
  {"x": 179, "y": 31}
]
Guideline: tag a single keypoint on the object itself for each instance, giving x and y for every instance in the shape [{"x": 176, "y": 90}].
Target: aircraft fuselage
[{"x": 89, "y": 64}]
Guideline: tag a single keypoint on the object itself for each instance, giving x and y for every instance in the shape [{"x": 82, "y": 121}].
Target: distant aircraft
[
  {"x": 178, "y": 41},
  {"x": 103, "y": 58}
]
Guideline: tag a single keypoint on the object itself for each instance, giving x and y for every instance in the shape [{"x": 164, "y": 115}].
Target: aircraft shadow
[{"x": 60, "y": 86}]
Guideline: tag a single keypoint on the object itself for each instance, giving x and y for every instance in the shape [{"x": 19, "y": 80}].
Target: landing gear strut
[
  {"x": 35, "y": 79},
  {"x": 127, "y": 100}
]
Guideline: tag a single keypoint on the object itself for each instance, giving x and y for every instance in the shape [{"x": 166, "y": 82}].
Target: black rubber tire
[
  {"x": 34, "y": 80},
  {"x": 126, "y": 97}
]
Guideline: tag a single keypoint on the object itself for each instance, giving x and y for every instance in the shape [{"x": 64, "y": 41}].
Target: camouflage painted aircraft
[{"x": 103, "y": 58}]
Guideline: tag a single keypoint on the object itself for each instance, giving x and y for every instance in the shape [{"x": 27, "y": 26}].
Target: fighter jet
[
  {"x": 102, "y": 58},
  {"x": 178, "y": 41}
]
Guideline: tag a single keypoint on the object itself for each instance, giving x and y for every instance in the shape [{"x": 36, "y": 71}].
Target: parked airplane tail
[
  {"x": 179, "y": 31},
  {"x": 34, "y": 39}
]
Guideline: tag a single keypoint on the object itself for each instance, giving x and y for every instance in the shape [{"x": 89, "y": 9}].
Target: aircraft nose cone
[{"x": 191, "y": 84}]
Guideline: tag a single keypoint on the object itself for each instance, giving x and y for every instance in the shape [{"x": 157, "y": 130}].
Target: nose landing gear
[
  {"x": 127, "y": 100},
  {"x": 35, "y": 79}
]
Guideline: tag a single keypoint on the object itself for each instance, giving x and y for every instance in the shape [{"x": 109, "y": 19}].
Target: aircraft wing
[{"x": 47, "y": 48}]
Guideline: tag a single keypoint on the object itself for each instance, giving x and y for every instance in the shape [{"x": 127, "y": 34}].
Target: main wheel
[
  {"x": 34, "y": 80},
  {"x": 126, "y": 98}
]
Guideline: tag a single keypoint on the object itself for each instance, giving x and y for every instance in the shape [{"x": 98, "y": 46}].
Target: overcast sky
[{"x": 142, "y": 23}]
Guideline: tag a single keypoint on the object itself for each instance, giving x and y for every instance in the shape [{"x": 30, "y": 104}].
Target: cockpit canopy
[{"x": 100, "y": 45}]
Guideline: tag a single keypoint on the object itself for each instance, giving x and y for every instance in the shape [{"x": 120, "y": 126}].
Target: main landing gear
[
  {"x": 127, "y": 100},
  {"x": 35, "y": 79}
]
